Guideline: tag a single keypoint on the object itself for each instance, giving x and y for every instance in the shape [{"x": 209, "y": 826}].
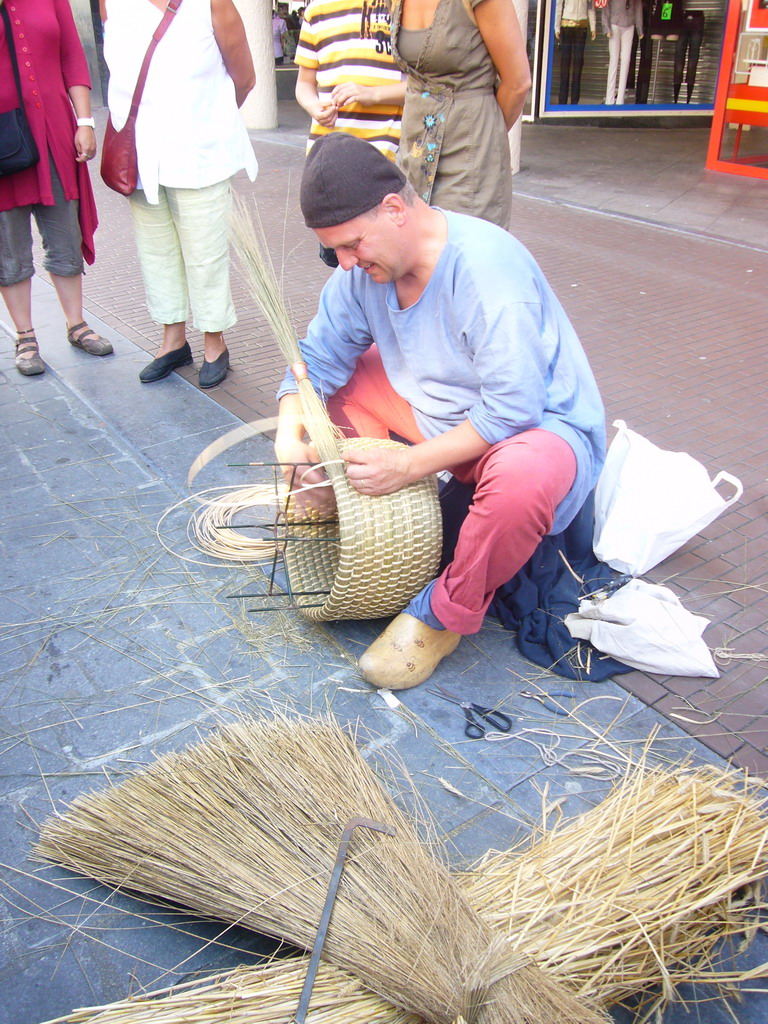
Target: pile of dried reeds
[
  {"x": 252, "y": 995},
  {"x": 213, "y": 525},
  {"x": 245, "y": 827},
  {"x": 631, "y": 897},
  {"x": 253, "y": 254},
  {"x": 638, "y": 893}
]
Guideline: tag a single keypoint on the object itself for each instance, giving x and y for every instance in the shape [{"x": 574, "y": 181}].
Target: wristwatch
[{"x": 86, "y": 122}]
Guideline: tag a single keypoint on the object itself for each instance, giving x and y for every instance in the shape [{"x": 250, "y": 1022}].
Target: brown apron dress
[{"x": 454, "y": 147}]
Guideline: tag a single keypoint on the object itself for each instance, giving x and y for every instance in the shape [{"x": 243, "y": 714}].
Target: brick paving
[{"x": 675, "y": 327}]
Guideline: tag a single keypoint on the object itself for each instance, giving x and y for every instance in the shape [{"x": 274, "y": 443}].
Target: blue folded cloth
[{"x": 536, "y": 600}]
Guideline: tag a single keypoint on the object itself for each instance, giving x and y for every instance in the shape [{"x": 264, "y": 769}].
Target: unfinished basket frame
[{"x": 381, "y": 552}]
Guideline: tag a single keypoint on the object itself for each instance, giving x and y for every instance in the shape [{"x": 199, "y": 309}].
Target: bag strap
[
  {"x": 12, "y": 51},
  {"x": 157, "y": 35}
]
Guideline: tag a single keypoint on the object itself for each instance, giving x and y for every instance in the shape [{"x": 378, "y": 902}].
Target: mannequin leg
[
  {"x": 694, "y": 49},
  {"x": 579, "y": 45},
  {"x": 566, "y": 53},
  {"x": 681, "y": 47},
  {"x": 626, "y": 36},
  {"x": 614, "y": 44},
  {"x": 643, "y": 79}
]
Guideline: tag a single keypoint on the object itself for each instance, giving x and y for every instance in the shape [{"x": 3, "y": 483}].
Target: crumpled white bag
[
  {"x": 649, "y": 502},
  {"x": 645, "y": 625}
]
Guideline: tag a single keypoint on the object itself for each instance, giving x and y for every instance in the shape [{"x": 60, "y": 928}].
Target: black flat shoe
[
  {"x": 214, "y": 373},
  {"x": 166, "y": 364}
]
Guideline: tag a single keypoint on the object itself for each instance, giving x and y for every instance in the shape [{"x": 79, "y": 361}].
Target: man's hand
[
  {"x": 297, "y": 461},
  {"x": 379, "y": 470},
  {"x": 386, "y": 470}
]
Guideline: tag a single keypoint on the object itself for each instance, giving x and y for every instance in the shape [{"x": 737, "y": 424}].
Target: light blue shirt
[{"x": 486, "y": 341}]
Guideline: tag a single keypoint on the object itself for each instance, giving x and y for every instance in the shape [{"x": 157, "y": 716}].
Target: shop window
[{"x": 631, "y": 56}]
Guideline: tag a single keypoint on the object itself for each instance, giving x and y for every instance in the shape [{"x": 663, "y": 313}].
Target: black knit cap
[{"x": 343, "y": 177}]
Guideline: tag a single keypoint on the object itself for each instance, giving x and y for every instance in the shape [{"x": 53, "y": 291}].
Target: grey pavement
[
  {"x": 121, "y": 641},
  {"x": 672, "y": 318},
  {"x": 648, "y": 175}
]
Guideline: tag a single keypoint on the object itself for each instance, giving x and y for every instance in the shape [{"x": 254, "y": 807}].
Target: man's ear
[{"x": 394, "y": 207}]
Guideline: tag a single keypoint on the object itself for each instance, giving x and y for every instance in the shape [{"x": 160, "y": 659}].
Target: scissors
[
  {"x": 476, "y": 717},
  {"x": 609, "y": 588},
  {"x": 546, "y": 699}
]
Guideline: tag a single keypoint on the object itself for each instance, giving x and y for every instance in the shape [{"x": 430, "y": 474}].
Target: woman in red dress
[{"x": 55, "y": 87}]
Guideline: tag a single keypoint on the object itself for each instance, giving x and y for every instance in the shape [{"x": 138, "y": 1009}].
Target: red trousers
[{"x": 519, "y": 483}]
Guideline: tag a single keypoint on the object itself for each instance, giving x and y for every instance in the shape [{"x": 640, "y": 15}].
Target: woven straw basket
[{"x": 379, "y": 555}]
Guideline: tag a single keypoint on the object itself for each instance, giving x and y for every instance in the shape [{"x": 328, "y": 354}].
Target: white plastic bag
[
  {"x": 648, "y": 502},
  {"x": 645, "y": 625}
]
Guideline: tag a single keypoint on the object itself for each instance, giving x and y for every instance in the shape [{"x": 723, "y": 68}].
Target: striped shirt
[{"x": 348, "y": 41}]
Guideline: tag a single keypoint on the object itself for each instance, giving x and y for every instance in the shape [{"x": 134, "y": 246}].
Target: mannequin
[
  {"x": 689, "y": 42},
  {"x": 621, "y": 19},
  {"x": 666, "y": 19},
  {"x": 572, "y": 19},
  {"x": 643, "y": 58}
]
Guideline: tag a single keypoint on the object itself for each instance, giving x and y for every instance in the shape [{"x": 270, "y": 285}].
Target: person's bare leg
[
  {"x": 173, "y": 353},
  {"x": 174, "y": 338},
  {"x": 215, "y": 360},
  {"x": 214, "y": 345},
  {"x": 18, "y": 299},
  {"x": 70, "y": 293}
]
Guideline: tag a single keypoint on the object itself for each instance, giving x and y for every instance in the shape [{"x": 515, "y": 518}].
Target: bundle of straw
[
  {"x": 384, "y": 549},
  {"x": 639, "y": 892},
  {"x": 266, "y": 803},
  {"x": 631, "y": 897},
  {"x": 213, "y": 528},
  {"x": 251, "y": 249},
  {"x": 268, "y": 994}
]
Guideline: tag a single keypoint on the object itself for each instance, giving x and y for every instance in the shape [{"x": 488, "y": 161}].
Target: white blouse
[
  {"x": 189, "y": 132},
  {"x": 574, "y": 10}
]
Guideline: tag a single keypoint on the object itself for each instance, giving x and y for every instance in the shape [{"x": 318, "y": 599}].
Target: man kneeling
[{"x": 441, "y": 329}]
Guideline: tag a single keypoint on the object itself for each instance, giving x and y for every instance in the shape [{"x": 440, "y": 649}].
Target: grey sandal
[
  {"x": 28, "y": 359},
  {"x": 88, "y": 340}
]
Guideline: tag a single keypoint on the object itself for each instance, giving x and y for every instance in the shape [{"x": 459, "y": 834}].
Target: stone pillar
[
  {"x": 88, "y": 24},
  {"x": 260, "y": 109},
  {"x": 515, "y": 134}
]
